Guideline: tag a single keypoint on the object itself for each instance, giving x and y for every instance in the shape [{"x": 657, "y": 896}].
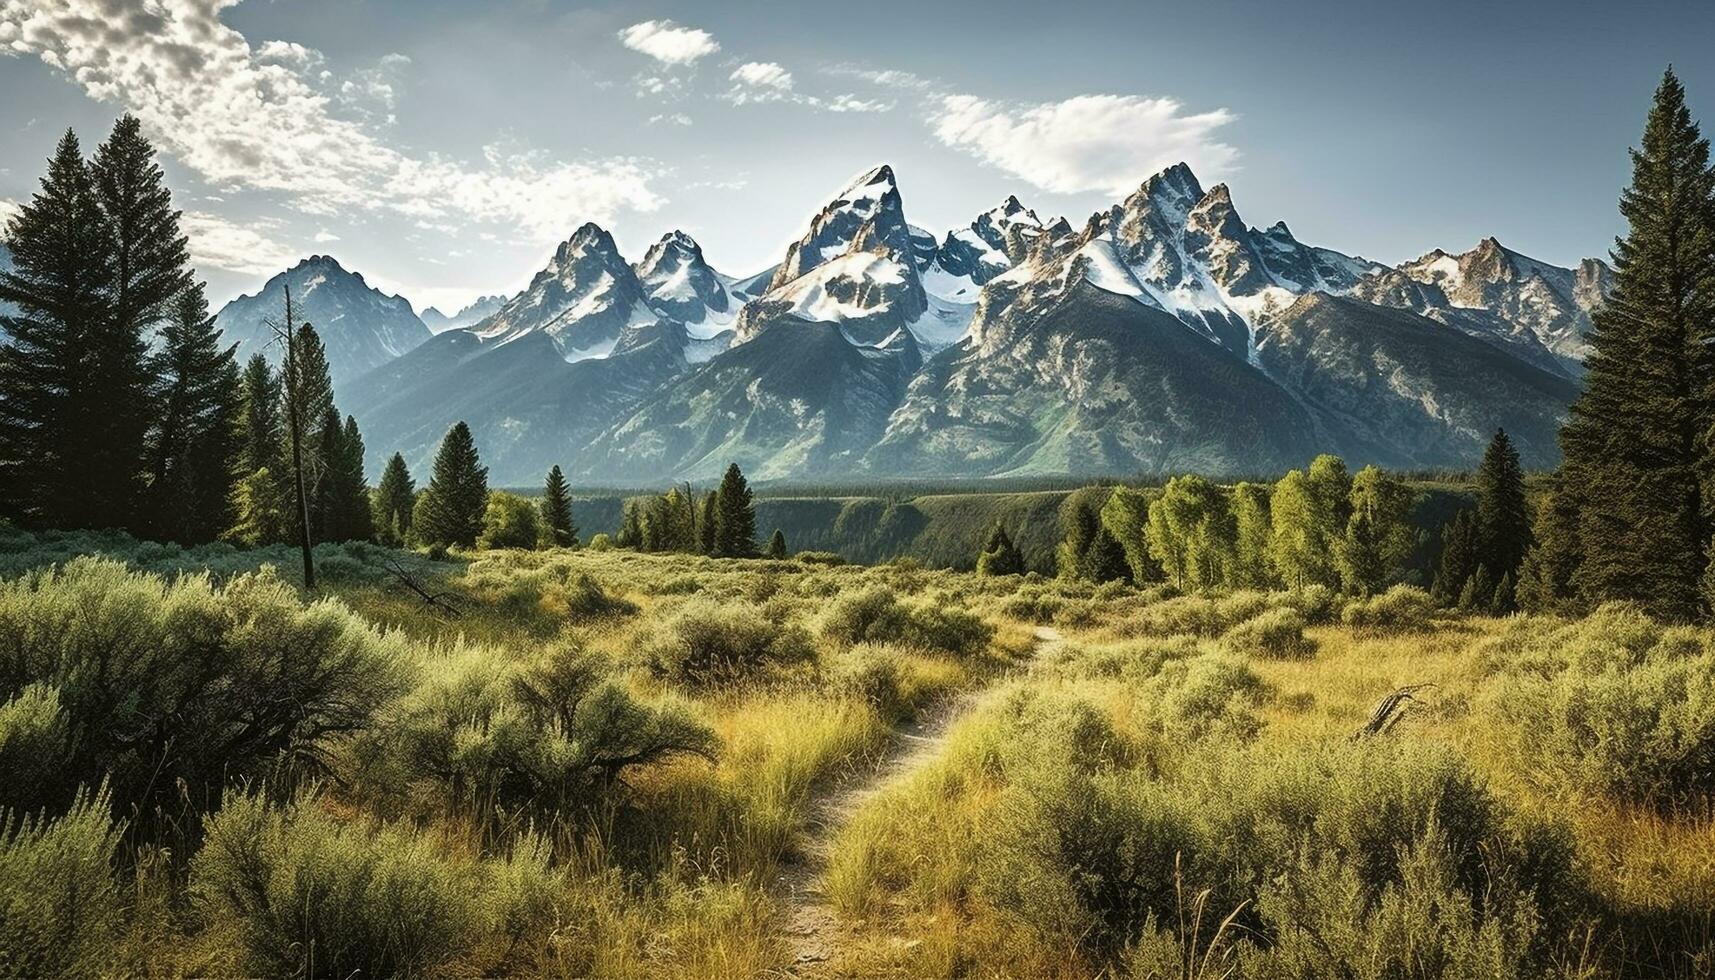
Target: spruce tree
[
  {"x": 394, "y": 498},
  {"x": 1105, "y": 561},
  {"x": 631, "y": 526},
  {"x": 1459, "y": 557},
  {"x": 1545, "y": 579},
  {"x": 735, "y": 516},
  {"x": 259, "y": 509},
  {"x": 1635, "y": 446},
  {"x": 452, "y": 508},
  {"x": 1079, "y": 526},
  {"x": 777, "y": 544},
  {"x": 1503, "y": 514},
  {"x": 350, "y": 489},
  {"x": 999, "y": 555},
  {"x": 61, "y": 462},
  {"x": 1364, "y": 568},
  {"x": 557, "y": 521},
  {"x": 261, "y": 446},
  {"x": 193, "y": 445}
]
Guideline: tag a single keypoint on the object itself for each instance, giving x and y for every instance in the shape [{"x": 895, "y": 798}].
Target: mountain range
[{"x": 1163, "y": 335}]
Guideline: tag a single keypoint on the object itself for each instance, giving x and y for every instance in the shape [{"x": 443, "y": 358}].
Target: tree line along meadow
[{"x": 1243, "y": 730}]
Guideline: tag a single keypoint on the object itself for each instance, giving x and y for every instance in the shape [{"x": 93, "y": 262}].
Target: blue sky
[{"x": 443, "y": 148}]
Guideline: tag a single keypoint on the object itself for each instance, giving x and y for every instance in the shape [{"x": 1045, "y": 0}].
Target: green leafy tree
[
  {"x": 777, "y": 544},
  {"x": 735, "y": 516},
  {"x": 61, "y": 464},
  {"x": 259, "y": 510},
  {"x": 1301, "y": 540},
  {"x": 1373, "y": 556},
  {"x": 1000, "y": 556},
  {"x": 559, "y": 530},
  {"x": 1079, "y": 524},
  {"x": 1191, "y": 533},
  {"x": 1251, "y": 530},
  {"x": 451, "y": 511},
  {"x": 393, "y": 500},
  {"x": 1126, "y": 516},
  {"x": 1636, "y": 445},
  {"x": 510, "y": 521}
]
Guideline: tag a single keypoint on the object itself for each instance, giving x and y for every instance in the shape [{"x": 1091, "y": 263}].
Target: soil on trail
[{"x": 812, "y": 928}]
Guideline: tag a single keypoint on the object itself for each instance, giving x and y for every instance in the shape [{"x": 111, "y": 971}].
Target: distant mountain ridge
[{"x": 1165, "y": 334}]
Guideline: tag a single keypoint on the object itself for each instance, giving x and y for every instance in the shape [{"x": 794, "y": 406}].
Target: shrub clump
[
  {"x": 708, "y": 643},
  {"x": 587, "y": 600},
  {"x": 59, "y": 904},
  {"x": 178, "y": 687},
  {"x": 876, "y": 615},
  {"x": 1401, "y": 609},
  {"x": 1277, "y": 634},
  {"x": 308, "y": 894},
  {"x": 1615, "y": 704}
]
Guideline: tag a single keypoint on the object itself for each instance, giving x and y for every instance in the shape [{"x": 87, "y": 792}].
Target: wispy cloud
[
  {"x": 1103, "y": 143},
  {"x": 261, "y": 118},
  {"x": 757, "y": 82},
  {"x": 216, "y": 243},
  {"x": 669, "y": 43}
]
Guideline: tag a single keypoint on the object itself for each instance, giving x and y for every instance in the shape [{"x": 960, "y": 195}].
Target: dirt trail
[{"x": 812, "y": 927}]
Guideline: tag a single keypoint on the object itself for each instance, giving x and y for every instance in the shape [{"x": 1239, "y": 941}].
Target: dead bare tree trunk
[
  {"x": 1388, "y": 713},
  {"x": 286, "y": 334}
]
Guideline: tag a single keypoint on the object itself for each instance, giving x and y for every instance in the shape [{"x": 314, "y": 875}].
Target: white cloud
[
  {"x": 257, "y": 118},
  {"x": 324, "y": 236},
  {"x": 885, "y": 78},
  {"x": 669, "y": 43},
  {"x": 851, "y": 103},
  {"x": 221, "y": 244},
  {"x": 676, "y": 119},
  {"x": 1105, "y": 143},
  {"x": 763, "y": 74}
]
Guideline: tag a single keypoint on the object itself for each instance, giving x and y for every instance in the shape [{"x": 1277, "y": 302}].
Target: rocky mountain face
[
  {"x": 481, "y": 309},
  {"x": 1163, "y": 335},
  {"x": 361, "y": 327}
]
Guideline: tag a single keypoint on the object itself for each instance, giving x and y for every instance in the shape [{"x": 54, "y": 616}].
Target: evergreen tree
[
  {"x": 452, "y": 509},
  {"x": 348, "y": 491},
  {"x": 1000, "y": 556},
  {"x": 259, "y": 509},
  {"x": 558, "y": 526},
  {"x": 1635, "y": 446},
  {"x": 394, "y": 498},
  {"x": 1459, "y": 558},
  {"x": 1364, "y": 569},
  {"x": 1479, "y": 591},
  {"x": 1079, "y": 525},
  {"x": 708, "y": 521},
  {"x": 193, "y": 445},
  {"x": 1251, "y": 529},
  {"x": 62, "y": 463},
  {"x": 1545, "y": 578},
  {"x": 260, "y": 428},
  {"x": 631, "y": 526},
  {"x": 777, "y": 544},
  {"x": 1105, "y": 561},
  {"x": 1503, "y": 515},
  {"x": 735, "y": 516}
]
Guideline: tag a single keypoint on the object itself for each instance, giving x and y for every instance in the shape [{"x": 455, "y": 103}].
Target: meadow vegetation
[{"x": 606, "y": 763}]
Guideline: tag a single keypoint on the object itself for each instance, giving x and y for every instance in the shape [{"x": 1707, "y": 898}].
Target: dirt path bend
[{"x": 812, "y": 927}]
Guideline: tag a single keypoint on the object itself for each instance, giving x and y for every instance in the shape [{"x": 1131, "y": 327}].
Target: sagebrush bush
[
  {"x": 872, "y": 674},
  {"x": 1275, "y": 634},
  {"x": 60, "y": 907},
  {"x": 587, "y": 600},
  {"x": 550, "y": 733},
  {"x": 877, "y": 615},
  {"x": 1614, "y": 704},
  {"x": 711, "y": 643},
  {"x": 309, "y": 894},
  {"x": 171, "y": 689},
  {"x": 1401, "y": 609},
  {"x": 1196, "y": 615}
]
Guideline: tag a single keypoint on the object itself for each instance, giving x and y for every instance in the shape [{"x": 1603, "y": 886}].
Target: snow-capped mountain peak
[{"x": 680, "y": 285}]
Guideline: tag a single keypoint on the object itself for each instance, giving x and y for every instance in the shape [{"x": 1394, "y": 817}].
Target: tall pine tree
[
  {"x": 1636, "y": 444},
  {"x": 394, "y": 498},
  {"x": 557, "y": 521},
  {"x": 1503, "y": 514},
  {"x": 735, "y": 516},
  {"x": 59, "y": 465},
  {"x": 194, "y": 443},
  {"x": 450, "y": 511}
]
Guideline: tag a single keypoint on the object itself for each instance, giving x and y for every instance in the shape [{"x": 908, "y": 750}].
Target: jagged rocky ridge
[{"x": 1163, "y": 335}]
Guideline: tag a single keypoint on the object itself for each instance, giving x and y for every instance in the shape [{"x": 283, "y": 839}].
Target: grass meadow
[{"x": 589, "y": 763}]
